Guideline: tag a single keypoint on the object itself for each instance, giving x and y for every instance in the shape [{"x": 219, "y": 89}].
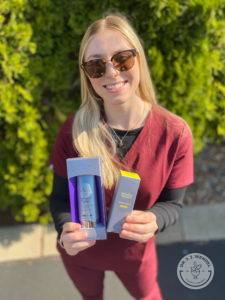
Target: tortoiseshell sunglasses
[{"x": 122, "y": 61}]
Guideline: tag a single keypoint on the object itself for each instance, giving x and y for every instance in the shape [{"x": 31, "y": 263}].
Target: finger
[
  {"x": 140, "y": 217},
  {"x": 71, "y": 252},
  {"x": 137, "y": 218},
  {"x": 138, "y": 228},
  {"x": 78, "y": 235},
  {"x": 142, "y": 238},
  {"x": 83, "y": 245},
  {"x": 136, "y": 212},
  {"x": 75, "y": 248},
  {"x": 71, "y": 226}
]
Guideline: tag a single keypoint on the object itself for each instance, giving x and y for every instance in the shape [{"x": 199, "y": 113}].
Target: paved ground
[
  {"x": 169, "y": 257},
  {"x": 31, "y": 270},
  {"x": 45, "y": 279}
]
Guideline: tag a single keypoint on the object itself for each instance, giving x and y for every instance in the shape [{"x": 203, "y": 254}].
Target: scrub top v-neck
[{"x": 142, "y": 132}]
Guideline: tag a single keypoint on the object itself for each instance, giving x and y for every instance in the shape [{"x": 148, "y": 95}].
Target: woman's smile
[{"x": 116, "y": 87}]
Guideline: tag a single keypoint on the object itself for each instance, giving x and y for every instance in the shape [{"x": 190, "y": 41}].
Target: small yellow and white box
[{"x": 123, "y": 200}]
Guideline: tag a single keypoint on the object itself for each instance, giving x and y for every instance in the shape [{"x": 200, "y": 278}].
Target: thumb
[{"x": 71, "y": 226}]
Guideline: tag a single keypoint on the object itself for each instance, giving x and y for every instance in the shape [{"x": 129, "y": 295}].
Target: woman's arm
[
  {"x": 140, "y": 225},
  {"x": 168, "y": 207},
  {"x": 59, "y": 203}
]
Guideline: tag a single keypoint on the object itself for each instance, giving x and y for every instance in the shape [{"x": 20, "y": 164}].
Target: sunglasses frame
[{"x": 133, "y": 51}]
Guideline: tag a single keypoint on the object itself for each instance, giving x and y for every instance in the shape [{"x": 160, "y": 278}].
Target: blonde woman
[{"x": 120, "y": 121}]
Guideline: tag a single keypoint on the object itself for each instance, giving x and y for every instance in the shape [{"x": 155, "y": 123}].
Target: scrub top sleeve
[
  {"x": 60, "y": 151},
  {"x": 182, "y": 172}
]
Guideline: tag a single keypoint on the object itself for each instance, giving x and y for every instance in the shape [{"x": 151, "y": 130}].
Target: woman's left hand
[{"x": 139, "y": 226}]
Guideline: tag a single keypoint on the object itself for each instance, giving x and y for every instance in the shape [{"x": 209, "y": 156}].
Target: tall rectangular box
[
  {"x": 87, "y": 198},
  {"x": 123, "y": 200}
]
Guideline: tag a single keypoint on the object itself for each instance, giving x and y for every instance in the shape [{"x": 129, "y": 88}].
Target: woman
[{"x": 120, "y": 121}]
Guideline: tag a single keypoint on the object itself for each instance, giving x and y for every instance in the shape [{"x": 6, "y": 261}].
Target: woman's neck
[{"x": 127, "y": 117}]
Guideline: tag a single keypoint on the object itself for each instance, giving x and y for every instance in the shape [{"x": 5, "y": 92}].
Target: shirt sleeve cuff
[{"x": 159, "y": 219}]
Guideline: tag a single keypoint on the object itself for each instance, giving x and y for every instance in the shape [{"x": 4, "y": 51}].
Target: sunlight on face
[{"x": 114, "y": 87}]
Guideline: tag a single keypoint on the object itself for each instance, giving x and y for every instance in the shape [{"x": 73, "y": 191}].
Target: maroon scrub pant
[{"x": 89, "y": 282}]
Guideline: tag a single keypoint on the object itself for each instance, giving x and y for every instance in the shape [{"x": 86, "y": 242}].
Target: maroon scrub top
[{"x": 162, "y": 155}]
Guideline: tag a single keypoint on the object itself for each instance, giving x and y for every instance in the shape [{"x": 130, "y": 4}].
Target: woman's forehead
[{"x": 104, "y": 43}]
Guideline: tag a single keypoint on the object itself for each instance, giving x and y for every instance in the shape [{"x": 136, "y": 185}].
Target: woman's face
[{"x": 114, "y": 87}]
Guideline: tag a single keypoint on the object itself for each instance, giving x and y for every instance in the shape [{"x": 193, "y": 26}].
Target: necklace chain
[{"x": 120, "y": 140}]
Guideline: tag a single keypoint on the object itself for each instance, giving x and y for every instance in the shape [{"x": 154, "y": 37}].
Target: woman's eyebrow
[
  {"x": 95, "y": 56},
  {"x": 103, "y": 55}
]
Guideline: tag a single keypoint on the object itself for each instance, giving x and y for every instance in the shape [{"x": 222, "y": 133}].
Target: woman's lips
[{"x": 115, "y": 87}]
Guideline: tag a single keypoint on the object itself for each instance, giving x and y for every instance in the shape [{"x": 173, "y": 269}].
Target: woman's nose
[{"x": 111, "y": 71}]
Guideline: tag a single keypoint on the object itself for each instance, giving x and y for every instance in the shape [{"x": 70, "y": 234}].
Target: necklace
[{"x": 120, "y": 140}]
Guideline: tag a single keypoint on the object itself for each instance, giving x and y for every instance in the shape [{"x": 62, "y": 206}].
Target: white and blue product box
[
  {"x": 87, "y": 198},
  {"x": 123, "y": 200}
]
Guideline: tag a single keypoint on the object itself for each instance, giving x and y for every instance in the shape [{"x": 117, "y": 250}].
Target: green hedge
[{"x": 39, "y": 79}]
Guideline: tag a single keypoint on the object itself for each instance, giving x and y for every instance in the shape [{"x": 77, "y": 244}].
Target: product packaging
[
  {"x": 87, "y": 198},
  {"x": 123, "y": 200}
]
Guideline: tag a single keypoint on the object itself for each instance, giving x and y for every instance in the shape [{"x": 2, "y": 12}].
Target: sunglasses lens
[
  {"x": 123, "y": 61},
  {"x": 95, "y": 68}
]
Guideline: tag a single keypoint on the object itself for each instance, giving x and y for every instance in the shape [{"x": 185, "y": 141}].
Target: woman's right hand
[{"x": 74, "y": 239}]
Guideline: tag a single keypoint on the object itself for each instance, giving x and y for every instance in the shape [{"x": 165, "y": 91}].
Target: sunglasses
[{"x": 122, "y": 61}]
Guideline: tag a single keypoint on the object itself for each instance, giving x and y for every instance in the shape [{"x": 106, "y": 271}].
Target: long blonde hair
[{"x": 90, "y": 135}]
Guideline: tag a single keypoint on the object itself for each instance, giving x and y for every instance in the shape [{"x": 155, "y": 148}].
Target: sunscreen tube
[{"x": 87, "y": 201}]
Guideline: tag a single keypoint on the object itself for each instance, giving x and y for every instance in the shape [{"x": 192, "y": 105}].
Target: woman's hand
[
  {"x": 74, "y": 239},
  {"x": 139, "y": 226}
]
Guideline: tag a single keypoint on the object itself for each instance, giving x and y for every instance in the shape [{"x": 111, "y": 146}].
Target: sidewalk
[{"x": 197, "y": 223}]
